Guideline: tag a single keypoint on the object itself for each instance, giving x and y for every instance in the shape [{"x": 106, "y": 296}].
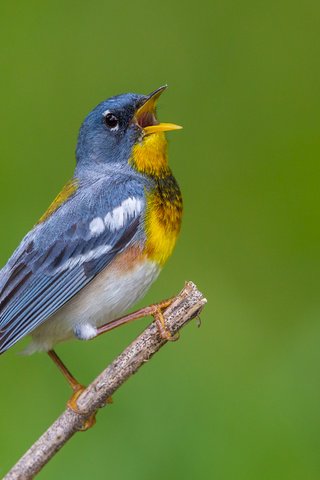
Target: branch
[{"x": 186, "y": 306}]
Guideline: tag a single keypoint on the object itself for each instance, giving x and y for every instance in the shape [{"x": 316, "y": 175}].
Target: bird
[{"x": 103, "y": 241}]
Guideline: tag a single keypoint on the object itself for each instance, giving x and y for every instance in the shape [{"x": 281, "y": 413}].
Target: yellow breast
[
  {"x": 164, "y": 202},
  {"x": 163, "y": 219}
]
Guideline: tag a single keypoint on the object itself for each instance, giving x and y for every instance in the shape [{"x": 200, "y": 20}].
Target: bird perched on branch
[{"x": 104, "y": 239}]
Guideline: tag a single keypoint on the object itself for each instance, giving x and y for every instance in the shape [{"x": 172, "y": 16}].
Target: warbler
[{"x": 103, "y": 240}]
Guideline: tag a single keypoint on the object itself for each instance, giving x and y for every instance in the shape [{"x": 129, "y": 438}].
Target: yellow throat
[{"x": 150, "y": 156}]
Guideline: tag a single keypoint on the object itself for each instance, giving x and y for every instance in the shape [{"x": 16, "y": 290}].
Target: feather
[{"x": 44, "y": 275}]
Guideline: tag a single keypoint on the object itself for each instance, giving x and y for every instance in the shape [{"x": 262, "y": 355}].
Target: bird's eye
[{"x": 111, "y": 121}]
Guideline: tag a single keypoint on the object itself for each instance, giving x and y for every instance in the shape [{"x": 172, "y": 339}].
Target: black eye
[{"x": 111, "y": 120}]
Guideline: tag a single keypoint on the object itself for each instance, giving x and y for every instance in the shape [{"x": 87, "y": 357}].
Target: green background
[{"x": 239, "y": 397}]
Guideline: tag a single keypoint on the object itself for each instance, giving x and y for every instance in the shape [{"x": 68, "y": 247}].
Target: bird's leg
[
  {"x": 77, "y": 388},
  {"x": 74, "y": 384},
  {"x": 156, "y": 311}
]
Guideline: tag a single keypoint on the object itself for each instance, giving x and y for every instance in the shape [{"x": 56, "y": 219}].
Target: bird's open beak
[{"x": 146, "y": 115}]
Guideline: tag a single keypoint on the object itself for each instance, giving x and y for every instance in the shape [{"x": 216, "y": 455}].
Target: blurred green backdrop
[{"x": 238, "y": 398}]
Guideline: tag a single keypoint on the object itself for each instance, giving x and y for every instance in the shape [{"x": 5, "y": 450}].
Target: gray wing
[{"x": 43, "y": 275}]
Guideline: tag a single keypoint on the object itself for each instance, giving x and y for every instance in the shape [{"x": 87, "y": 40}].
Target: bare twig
[{"x": 186, "y": 306}]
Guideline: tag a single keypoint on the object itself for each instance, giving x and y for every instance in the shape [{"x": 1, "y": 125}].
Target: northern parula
[{"x": 103, "y": 240}]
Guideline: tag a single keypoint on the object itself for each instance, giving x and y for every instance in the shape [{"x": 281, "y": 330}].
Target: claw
[
  {"x": 161, "y": 324},
  {"x": 72, "y": 404},
  {"x": 88, "y": 423}
]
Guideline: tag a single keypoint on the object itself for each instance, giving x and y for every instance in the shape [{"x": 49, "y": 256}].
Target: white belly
[{"x": 107, "y": 297}]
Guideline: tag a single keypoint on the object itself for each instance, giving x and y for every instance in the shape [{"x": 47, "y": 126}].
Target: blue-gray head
[{"x": 110, "y": 131}]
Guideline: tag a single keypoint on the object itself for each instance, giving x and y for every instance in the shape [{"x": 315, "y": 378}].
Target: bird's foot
[
  {"x": 78, "y": 389},
  {"x": 72, "y": 402},
  {"x": 73, "y": 405},
  {"x": 157, "y": 313}
]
